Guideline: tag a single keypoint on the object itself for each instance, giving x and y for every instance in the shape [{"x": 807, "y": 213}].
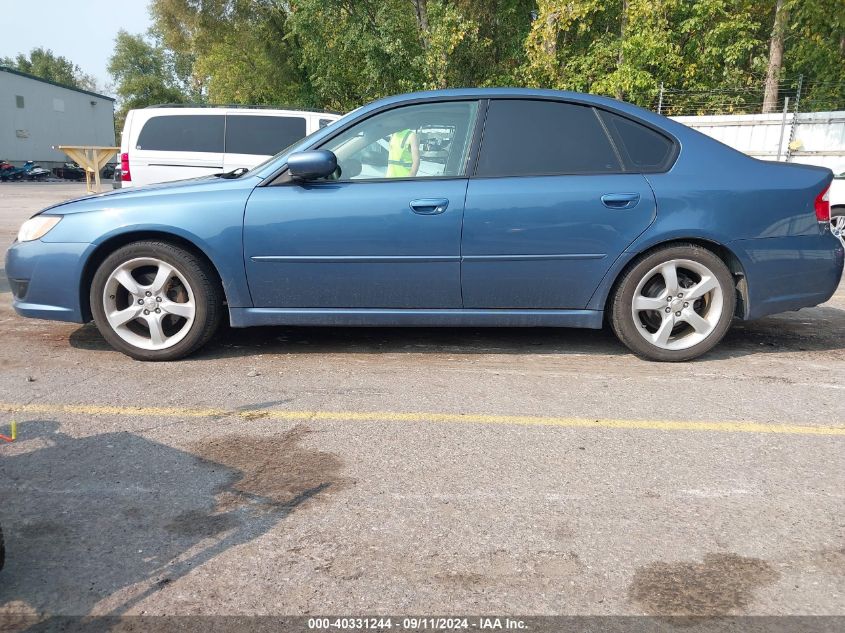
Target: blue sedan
[{"x": 498, "y": 207}]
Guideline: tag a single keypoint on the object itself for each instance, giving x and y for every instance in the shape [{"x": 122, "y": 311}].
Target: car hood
[{"x": 117, "y": 196}]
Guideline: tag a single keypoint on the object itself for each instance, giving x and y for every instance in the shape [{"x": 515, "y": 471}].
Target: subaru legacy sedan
[{"x": 498, "y": 207}]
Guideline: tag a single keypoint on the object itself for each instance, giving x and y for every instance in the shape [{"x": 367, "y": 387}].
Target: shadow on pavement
[
  {"x": 108, "y": 520},
  {"x": 811, "y": 329}
]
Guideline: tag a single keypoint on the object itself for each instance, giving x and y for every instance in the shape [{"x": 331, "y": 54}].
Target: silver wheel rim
[
  {"x": 677, "y": 304},
  {"x": 837, "y": 227},
  {"x": 149, "y": 303}
]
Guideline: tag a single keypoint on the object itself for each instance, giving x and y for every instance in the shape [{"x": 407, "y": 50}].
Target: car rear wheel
[
  {"x": 155, "y": 301},
  {"x": 674, "y": 304},
  {"x": 837, "y": 223}
]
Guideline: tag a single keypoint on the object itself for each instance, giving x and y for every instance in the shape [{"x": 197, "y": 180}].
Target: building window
[{"x": 19, "y": 101}]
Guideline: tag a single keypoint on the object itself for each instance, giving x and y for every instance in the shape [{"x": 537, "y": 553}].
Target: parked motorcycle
[
  {"x": 8, "y": 171},
  {"x": 31, "y": 171},
  {"x": 70, "y": 171}
]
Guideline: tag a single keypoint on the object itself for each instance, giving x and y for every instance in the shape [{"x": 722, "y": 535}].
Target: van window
[
  {"x": 182, "y": 133},
  {"x": 534, "y": 138},
  {"x": 262, "y": 135}
]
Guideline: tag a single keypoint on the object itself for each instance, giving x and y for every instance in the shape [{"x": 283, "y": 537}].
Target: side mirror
[{"x": 311, "y": 165}]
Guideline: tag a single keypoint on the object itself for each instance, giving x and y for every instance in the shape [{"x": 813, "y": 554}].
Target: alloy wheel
[
  {"x": 149, "y": 303},
  {"x": 837, "y": 227},
  {"x": 677, "y": 304}
]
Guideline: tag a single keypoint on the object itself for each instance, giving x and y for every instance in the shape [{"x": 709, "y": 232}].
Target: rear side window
[
  {"x": 534, "y": 138},
  {"x": 642, "y": 148},
  {"x": 183, "y": 133},
  {"x": 262, "y": 135}
]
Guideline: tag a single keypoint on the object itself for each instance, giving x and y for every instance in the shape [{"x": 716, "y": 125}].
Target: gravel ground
[{"x": 542, "y": 471}]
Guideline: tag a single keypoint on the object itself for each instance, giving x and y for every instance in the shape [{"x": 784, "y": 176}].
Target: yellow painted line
[{"x": 448, "y": 418}]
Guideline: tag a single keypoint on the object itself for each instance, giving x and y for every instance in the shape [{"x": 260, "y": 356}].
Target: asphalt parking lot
[{"x": 365, "y": 471}]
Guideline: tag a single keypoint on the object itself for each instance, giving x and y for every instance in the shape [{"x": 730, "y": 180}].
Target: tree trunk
[
  {"x": 770, "y": 96},
  {"x": 422, "y": 21},
  {"x": 620, "y": 60},
  {"x": 550, "y": 38}
]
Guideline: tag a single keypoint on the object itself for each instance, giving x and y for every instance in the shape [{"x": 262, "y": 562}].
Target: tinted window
[
  {"x": 642, "y": 148},
  {"x": 183, "y": 133},
  {"x": 418, "y": 141},
  {"x": 523, "y": 138},
  {"x": 264, "y": 135}
]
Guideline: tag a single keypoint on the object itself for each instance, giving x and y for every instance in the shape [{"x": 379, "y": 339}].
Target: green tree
[
  {"x": 143, "y": 75},
  {"x": 815, "y": 48},
  {"x": 44, "y": 63},
  {"x": 710, "y": 54}
]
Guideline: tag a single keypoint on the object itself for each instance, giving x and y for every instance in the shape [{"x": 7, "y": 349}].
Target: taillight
[
  {"x": 823, "y": 206},
  {"x": 125, "y": 175}
]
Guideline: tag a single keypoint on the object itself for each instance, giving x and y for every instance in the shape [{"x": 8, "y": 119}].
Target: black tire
[
  {"x": 208, "y": 298},
  {"x": 621, "y": 302}
]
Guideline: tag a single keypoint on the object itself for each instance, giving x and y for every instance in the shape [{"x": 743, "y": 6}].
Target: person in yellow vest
[{"x": 403, "y": 158}]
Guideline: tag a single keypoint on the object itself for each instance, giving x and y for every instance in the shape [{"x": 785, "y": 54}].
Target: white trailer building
[{"x": 36, "y": 114}]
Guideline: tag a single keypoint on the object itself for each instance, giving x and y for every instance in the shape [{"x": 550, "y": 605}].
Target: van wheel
[
  {"x": 155, "y": 301},
  {"x": 674, "y": 304}
]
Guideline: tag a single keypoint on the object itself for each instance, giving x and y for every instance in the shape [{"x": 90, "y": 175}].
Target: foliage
[
  {"x": 143, "y": 73},
  {"x": 339, "y": 54},
  {"x": 45, "y": 64}
]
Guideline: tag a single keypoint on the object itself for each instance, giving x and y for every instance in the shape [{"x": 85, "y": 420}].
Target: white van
[{"x": 164, "y": 143}]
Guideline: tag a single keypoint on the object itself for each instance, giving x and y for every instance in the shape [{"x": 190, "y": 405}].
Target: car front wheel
[
  {"x": 155, "y": 301},
  {"x": 674, "y": 304}
]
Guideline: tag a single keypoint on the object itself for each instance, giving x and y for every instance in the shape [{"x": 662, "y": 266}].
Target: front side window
[
  {"x": 420, "y": 141},
  {"x": 183, "y": 133},
  {"x": 538, "y": 138},
  {"x": 262, "y": 135}
]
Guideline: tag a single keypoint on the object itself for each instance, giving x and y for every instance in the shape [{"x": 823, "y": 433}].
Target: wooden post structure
[{"x": 92, "y": 158}]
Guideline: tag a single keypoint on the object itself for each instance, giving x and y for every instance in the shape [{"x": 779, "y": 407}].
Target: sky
[{"x": 81, "y": 30}]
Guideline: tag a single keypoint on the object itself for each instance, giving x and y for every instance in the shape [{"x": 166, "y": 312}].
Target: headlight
[{"x": 37, "y": 227}]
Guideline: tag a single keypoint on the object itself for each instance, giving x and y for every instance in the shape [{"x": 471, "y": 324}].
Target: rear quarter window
[
  {"x": 642, "y": 148},
  {"x": 182, "y": 133},
  {"x": 262, "y": 135}
]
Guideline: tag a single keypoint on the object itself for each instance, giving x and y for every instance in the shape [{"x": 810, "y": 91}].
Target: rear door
[
  {"x": 549, "y": 209},
  {"x": 254, "y": 137},
  {"x": 176, "y": 147}
]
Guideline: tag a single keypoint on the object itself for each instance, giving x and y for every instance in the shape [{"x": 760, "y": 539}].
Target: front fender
[{"x": 212, "y": 221}]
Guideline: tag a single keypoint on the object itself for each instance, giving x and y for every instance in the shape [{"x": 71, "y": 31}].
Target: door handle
[
  {"x": 429, "y": 206},
  {"x": 620, "y": 200}
]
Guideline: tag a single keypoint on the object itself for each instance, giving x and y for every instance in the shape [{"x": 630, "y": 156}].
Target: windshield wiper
[{"x": 235, "y": 173}]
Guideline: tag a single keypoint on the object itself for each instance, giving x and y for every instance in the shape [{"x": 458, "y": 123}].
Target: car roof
[{"x": 534, "y": 93}]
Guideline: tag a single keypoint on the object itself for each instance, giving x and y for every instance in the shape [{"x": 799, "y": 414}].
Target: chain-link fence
[
  {"x": 806, "y": 124},
  {"x": 795, "y": 94}
]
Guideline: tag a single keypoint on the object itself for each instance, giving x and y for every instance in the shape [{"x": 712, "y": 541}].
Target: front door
[
  {"x": 384, "y": 232},
  {"x": 549, "y": 209}
]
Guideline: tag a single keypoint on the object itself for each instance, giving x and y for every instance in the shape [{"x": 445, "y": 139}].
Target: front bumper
[{"x": 45, "y": 279}]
